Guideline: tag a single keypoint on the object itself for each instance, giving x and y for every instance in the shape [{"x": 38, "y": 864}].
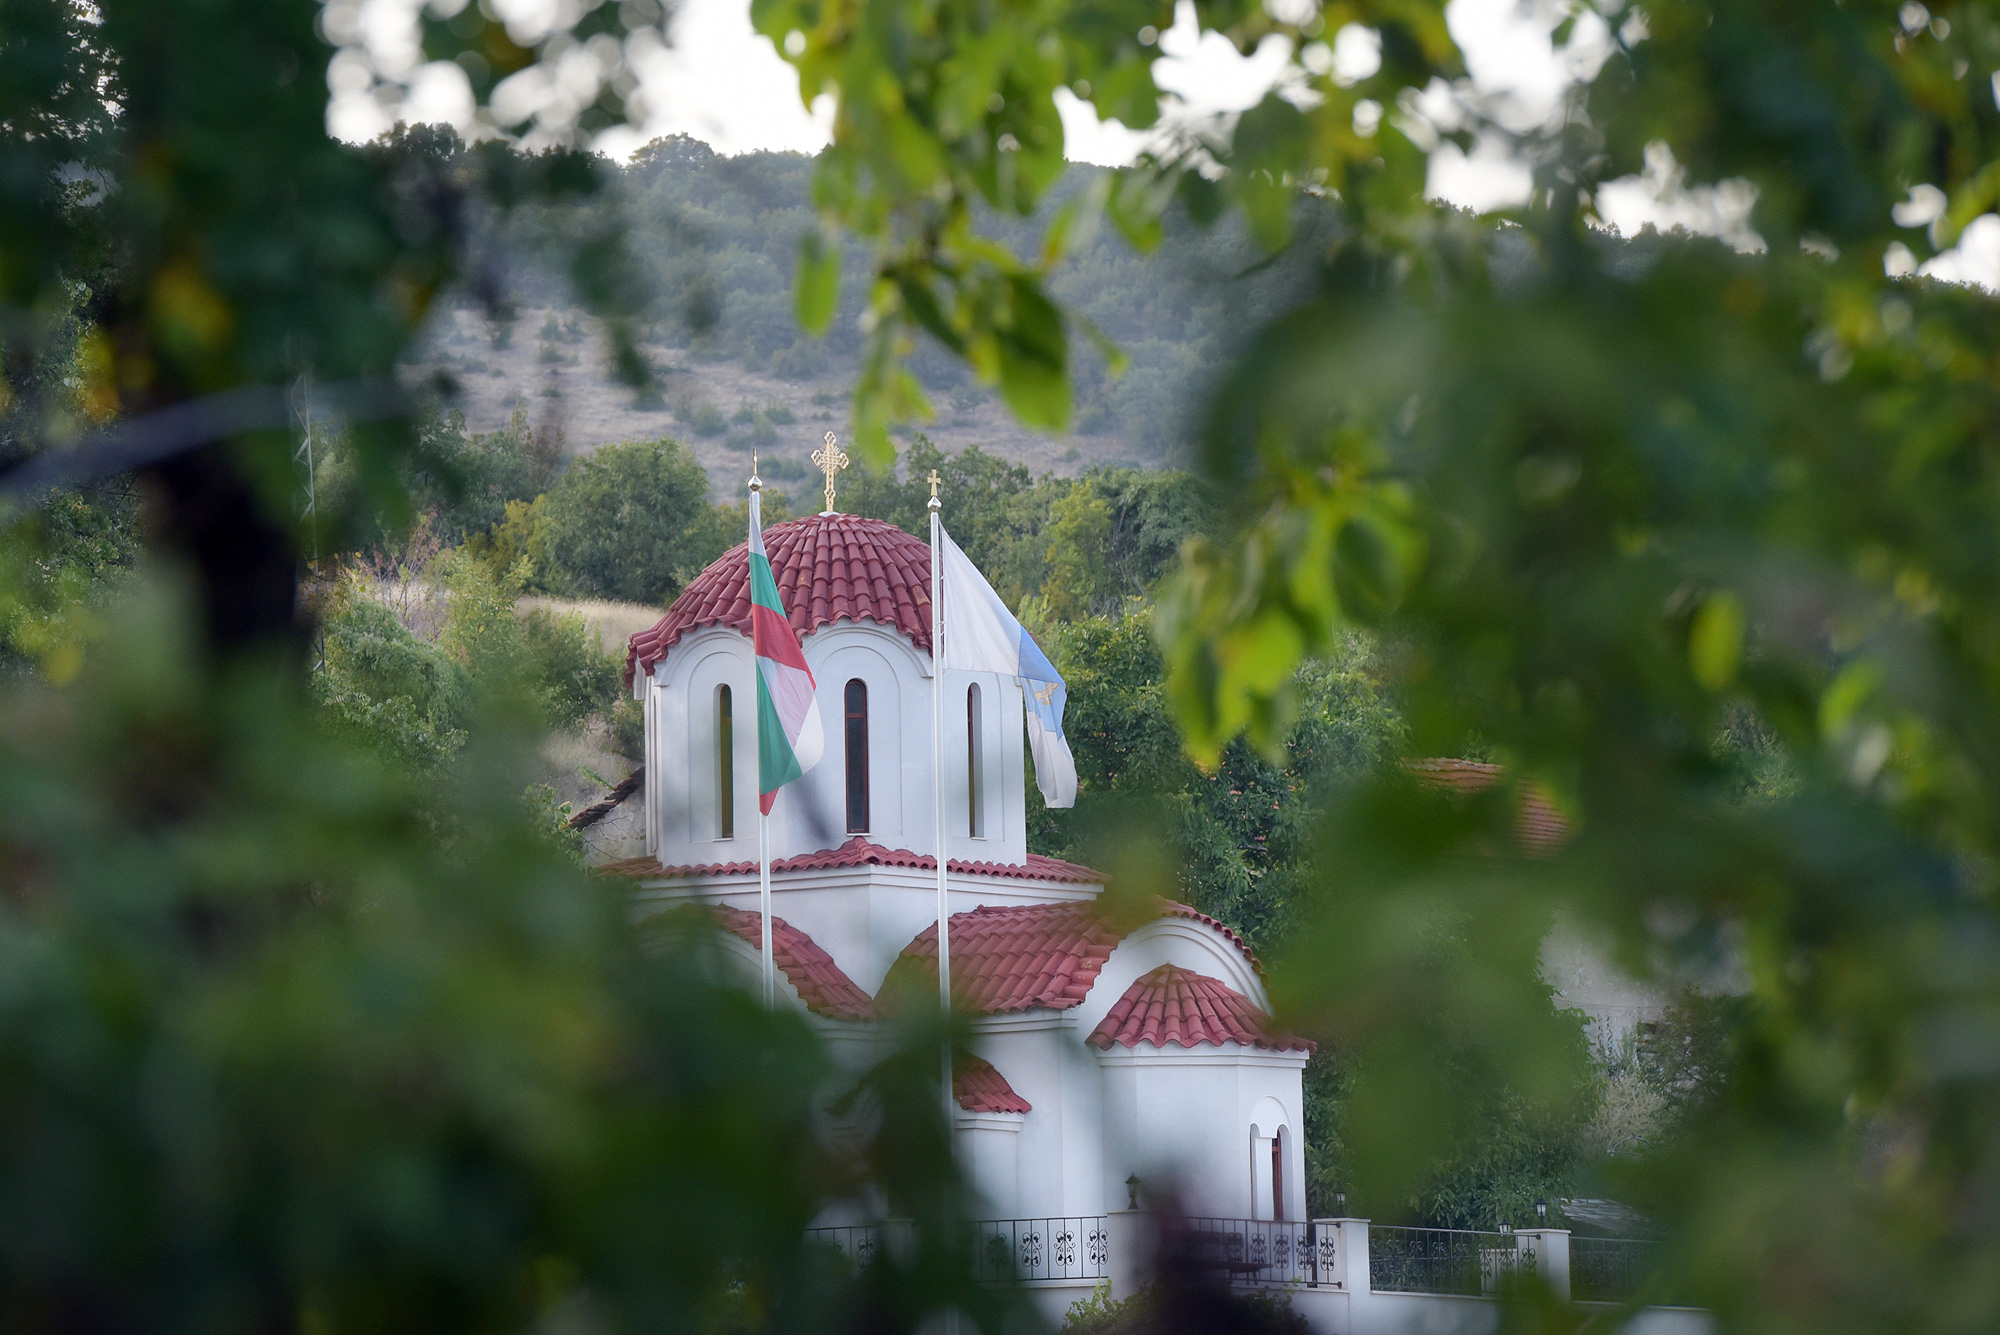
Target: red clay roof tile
[
  {"x": 1537, "y": 824},
  {"x": 858, "y": 852},
  {"x": 978, "y": 1087},
  {"x": 1016, "y": 957},
  {"x": 829, "y": 568},
  {"x": 819, "y": 981},
  {"x": 1181, "y": 1007}
]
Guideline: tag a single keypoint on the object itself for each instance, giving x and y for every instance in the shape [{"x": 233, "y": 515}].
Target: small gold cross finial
[
  {"x": 830, "y": 461},
  {"x": 934, "y": 480}
]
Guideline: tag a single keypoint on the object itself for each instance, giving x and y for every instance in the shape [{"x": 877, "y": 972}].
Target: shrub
[
  {"x": 802, "y": 361},
  {"x": 566, "y": 669},
  {"x": 515, "y": 540},
  {"x": 629, "y": 522},
  {"x": 403, "y": 698},
  {"x": 627, "y": 726}
]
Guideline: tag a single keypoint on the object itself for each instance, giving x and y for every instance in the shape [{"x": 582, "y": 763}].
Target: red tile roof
[
  {"x": 1014, "y": 957},
  {"x": 1017, "y": 957},
  {"x": 858, "y": 852},
  {"x": 1175, "y": 1005},
  {"x": 819, "y": 981},
  {"x": 597, "y": 811},
  {"x": 978, "y": 1087},
  {"x": 1537, "y": 823},
  {"x": 829, "y": 568}
]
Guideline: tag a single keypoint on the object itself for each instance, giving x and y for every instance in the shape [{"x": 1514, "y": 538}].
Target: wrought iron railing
[
  {"x": 857, "y": 1242},
  {"x": 1611, "y": 1270},
  {"x": 1032, "y": 1250},
  {"x": 1261, "y": 1251},
  {"x": 1003, "y": 1250},
  {"x": 1445, "y": 1260}
]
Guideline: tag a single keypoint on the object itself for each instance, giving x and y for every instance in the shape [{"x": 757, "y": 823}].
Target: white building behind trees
[{"x": 1103, "y": 1055}]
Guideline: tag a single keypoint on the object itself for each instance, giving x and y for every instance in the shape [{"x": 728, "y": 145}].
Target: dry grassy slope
[
  {"x": 577, "y": 762},
  {"x": 593, "y": 409},
  {"x": 613, "y": 623}
]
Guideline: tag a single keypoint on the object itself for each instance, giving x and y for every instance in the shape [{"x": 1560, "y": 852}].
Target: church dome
[{"x": 829, "y": 567}]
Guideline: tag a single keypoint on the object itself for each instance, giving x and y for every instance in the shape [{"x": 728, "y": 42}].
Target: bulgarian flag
[{"x": 790, "y": 739}]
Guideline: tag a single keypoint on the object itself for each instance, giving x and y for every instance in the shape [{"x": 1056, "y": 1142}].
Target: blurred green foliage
[
  {"x": 309, "y": 1018},
  {"x": 297, "y": 1036},
  {"x": 1699, "y": 541},
  {"x": 1607, "y": 499}
]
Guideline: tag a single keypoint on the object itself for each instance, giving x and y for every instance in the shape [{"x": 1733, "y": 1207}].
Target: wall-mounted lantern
[
  {"x": 1132, "y": 1192},
  {"x": 1541, "y": 1210}
]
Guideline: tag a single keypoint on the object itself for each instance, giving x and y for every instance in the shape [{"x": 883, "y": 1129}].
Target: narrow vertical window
[
  {"x": 857, "y": 756},
  {"x": 725, "y": 765},
  {"x": 1278, "y": 1176},
  {"x": 975, "y": 765}
]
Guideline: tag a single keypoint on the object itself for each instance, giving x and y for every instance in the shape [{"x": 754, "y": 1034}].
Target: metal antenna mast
[{"x": 309, "y": 497}]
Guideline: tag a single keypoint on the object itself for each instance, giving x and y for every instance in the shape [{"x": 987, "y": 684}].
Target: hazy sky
[{"x": 720, "y": 82}]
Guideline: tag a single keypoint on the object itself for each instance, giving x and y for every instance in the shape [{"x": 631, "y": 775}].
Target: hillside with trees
[{"x": 713, "y": 246}]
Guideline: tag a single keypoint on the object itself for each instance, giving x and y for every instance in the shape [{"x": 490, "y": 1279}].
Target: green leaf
[
  {"x": 818, "y": 291},
  {"x": 1034, "y": 356},
  {"x": 912, "y": 283},
  {"x": 1715, "y": 640}
]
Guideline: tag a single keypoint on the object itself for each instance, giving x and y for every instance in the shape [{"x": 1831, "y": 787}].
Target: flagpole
[
  {"x": 764, "y": 905},
  {"x": 937, "y": 785},
  {"x": 763, "y": 819}
]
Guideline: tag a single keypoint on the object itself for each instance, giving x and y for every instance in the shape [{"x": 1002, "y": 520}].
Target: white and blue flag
[{"x": 981, "y": 635}]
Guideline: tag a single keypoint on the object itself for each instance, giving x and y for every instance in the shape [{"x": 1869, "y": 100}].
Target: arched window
[
  {"x": 1278, "y": 1175},
  {"x": 725, "y": 764},
  {"x": 857, "y": 756},
  {"x": 975, "y": 764}
]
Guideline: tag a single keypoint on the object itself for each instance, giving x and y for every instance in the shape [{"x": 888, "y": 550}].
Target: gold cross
[
  {"x": 934, "y": 480},
  {"x": 830, "y": 461}
]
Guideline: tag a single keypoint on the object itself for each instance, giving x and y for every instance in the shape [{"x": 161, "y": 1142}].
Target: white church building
[{"x": 1103, "y": 1055}]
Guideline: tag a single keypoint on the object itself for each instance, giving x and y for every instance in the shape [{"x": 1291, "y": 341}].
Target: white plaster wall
[
  {"x": 681, "y": 788},
  {"x": 648, "y": 691},
  {"x": 1331, "y": 1311},
  {"x": 1003, "y": 798},
  {"x": 1038, "y": 1054},
  {"x": 1184, "y": 1117},
  {"x": 987, "y": 1145},
  {"x": 811, "y": 814},
  {"x": 1585, "y": 978},
  {"x": 1178, "y": 941}
]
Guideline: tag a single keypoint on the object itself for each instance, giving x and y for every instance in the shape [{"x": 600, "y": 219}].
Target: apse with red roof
[{"x": 1106, "y": 1050}]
